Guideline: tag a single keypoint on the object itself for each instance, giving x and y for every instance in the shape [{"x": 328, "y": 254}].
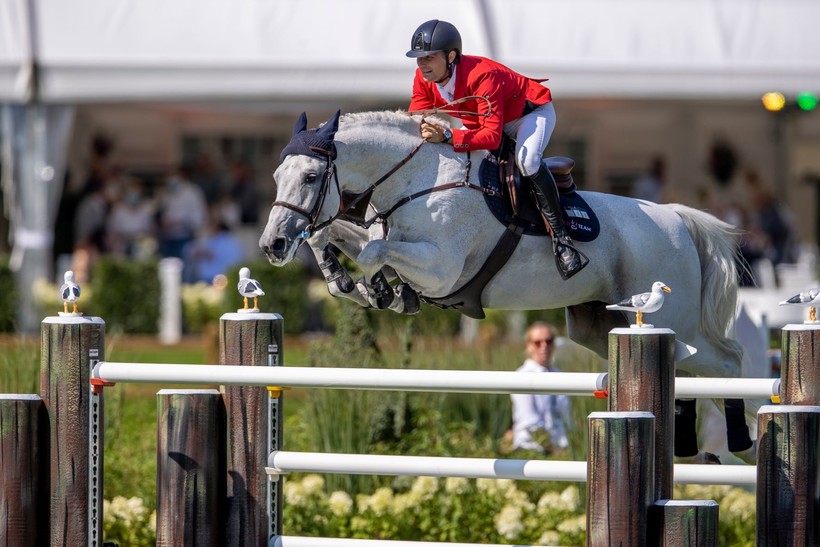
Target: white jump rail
[
  {"x": 297, "y": 541},
  {"x": 448, "y": 381},
  {"x": 283, "y": 462}
]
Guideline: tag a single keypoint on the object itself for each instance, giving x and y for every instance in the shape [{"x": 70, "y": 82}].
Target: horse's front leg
[
  {"x": 339, "y": 282},
  {"x": 423, "y": 265}
]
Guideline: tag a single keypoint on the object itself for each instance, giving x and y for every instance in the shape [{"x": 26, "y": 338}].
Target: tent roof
[{"x": 153, "y": 50}]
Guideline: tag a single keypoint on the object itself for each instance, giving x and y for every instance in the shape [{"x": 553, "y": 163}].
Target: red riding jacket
[{"x": 506, "y": 90}]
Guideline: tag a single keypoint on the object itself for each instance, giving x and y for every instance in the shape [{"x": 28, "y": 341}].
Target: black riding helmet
[{"x": 433, "y": 36}]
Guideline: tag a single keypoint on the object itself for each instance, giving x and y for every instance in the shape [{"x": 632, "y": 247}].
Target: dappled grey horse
[{"x": 437, "y": 235}]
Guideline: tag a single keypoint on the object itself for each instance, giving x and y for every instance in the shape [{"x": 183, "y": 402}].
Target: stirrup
[{"x": 579, "y": 263}]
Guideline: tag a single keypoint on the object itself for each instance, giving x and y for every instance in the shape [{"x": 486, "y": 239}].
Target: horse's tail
[{"x": 717, "y": 245}]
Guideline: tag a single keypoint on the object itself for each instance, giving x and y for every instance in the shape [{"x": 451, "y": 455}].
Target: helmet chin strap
[{"x": 449, "y": 69}]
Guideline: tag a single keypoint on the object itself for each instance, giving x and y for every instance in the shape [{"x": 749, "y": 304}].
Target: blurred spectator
[
  {"x": 244, "y": 192},
  {"x": 131, "y": 225},
  {"x": 650, "y": 185},
  {"x": 207, "y": 177},
  {"x": 91, "y": 215},
  {"x": 772, "y": 218},
  {"x": 539, "y": 420},
  {"x": 182, "y": 213},
  {"x": 211, "y": 255}
]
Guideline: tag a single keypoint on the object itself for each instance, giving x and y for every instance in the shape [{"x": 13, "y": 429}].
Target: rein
[{"x": 444, "y": 110}]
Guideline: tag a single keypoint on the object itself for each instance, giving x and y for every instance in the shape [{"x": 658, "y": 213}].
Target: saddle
[
  {"x": 511, "y": 201},
  {"x": 510, "y": 198}
]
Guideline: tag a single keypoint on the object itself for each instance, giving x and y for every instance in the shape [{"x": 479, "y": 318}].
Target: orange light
[{"x": 773, "y": 101}]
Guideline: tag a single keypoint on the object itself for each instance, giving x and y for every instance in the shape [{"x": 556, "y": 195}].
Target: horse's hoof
[
  {"x": 410, "y": 299},
  {"x": 700, "y": 458},
  {"x": 382, "y": 293},
  {"x": 749, "y": 455}
]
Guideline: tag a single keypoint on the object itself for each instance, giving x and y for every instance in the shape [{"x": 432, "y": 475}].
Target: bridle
[{"x": 352, "y": 205}]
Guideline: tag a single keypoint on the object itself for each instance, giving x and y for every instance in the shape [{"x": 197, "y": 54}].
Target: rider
[{"x": 519, "y": 106}]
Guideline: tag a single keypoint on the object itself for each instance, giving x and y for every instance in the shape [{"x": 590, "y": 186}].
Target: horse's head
[{"x": 303, "y": 196}]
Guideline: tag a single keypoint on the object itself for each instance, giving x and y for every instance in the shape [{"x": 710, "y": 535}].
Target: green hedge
[
  {"x": 285, "y": 292},
  {"x": 126, "y": 293}
]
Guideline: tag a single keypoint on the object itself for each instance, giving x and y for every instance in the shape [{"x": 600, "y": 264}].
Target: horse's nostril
[{"x": 279, "y": 245}]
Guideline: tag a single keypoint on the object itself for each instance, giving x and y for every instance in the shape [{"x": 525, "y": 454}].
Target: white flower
[
  {"x": 294, "y": 493},
  {"x": 519, "y": 499},
  {"x": 548, "y": 502},
  {"x": 569, "y": 500},
  {"x": 550, "y": 537},
  {"x": 508, "y": 522},
  {"x": 381, "y": 500},
  {"x": 424, "y": 488},
  {"x": 402, "y": 502},
  {"x": 340, "y": 503},
  {"x": 456, "y": 485},
  {"x": 313, "y": 484},
  {"x": 573, "y": 526},
  {"x": 494, "y": 487}
]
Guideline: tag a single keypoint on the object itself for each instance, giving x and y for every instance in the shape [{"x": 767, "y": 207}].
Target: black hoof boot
[
  {"x": 410, "y": 298},
  {"x": 381, "y": 291},
  {"x": 333, "y": 271}
]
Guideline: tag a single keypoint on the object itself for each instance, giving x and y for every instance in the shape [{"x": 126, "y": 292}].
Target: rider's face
[{"x": 433, "y": 67}]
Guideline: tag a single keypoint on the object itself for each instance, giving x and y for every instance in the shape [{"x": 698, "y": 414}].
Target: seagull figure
[
  {"x": 69, "y": 291},
  {"x": 809, "y": 299},
  {"x": 646, "y": 302},
  {"x": 248, "y": 287}
]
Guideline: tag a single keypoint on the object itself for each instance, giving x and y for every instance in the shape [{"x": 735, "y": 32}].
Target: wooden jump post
[
  {"x": 24, "y": 466},
  {"x": 255, "y": 419},
  {"x": 642, "y": 378},
  {"x": 788, "y": 437},
  {"x": 70, "y": 347},
  {"x": 191, "y": 469},
  {"x": 240, "y": 507}
]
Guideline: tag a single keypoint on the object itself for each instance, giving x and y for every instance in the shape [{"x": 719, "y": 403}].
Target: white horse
[{"x": 439, "y": 240}]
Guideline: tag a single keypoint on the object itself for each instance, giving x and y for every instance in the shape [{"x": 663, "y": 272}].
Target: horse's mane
[{"x": 400, "y": 119}]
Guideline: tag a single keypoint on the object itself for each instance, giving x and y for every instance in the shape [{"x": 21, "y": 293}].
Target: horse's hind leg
[
  {"x": 686, "y": 434},
  {"x": 737, "y": 432}
]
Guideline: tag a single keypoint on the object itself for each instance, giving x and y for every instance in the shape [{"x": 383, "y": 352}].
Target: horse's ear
[
  {"x": 301, "y": 124},
  {"x": 328, "y": 130}
]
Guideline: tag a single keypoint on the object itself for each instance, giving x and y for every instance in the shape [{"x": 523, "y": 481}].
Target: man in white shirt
[{"x": 541, "y": 418}]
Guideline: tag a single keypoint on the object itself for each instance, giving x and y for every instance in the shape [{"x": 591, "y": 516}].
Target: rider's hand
[{"x": 432, "y": 132}]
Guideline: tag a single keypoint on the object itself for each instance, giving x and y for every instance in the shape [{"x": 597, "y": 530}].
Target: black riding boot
[{"x": 569, "y": 260}]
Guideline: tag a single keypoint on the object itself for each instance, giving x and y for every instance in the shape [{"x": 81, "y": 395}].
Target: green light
[{"x": 806, "y": 101}]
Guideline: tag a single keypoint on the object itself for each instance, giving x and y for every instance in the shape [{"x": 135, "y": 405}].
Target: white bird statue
[
  {"x": 69, "y": 291},
  {"x": 809, "y": 299},
  {"x": 248, "y": 287},
  {"x": 646, "y": 302}
]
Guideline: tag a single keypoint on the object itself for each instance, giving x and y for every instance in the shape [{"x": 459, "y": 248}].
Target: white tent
[
  {"x": 94, "y": 50},
  {"x": 55, "y": 54}
]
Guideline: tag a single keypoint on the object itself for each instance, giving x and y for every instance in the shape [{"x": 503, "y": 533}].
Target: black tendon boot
[{"x": 569, "y": 260}]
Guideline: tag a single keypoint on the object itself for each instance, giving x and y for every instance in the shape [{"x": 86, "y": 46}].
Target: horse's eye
[{"x": 310, "y": 177}]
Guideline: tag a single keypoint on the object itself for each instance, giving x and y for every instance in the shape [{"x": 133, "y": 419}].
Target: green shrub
[
  {"x": 126, "y": 294},
  {"x": 285, "y": 292},
  {"x": 476, "y": 511},
  {"x": 8, "y": 304}
]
